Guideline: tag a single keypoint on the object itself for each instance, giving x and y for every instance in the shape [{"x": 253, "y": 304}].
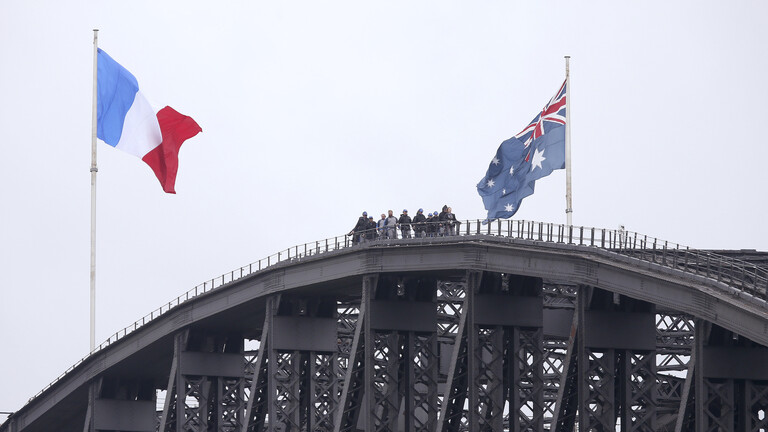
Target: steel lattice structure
[{"x": 472, "y": 333}]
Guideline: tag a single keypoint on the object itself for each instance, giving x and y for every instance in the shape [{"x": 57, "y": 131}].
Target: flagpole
[
  {"x": 94, "y": 170},
  {"x": 568, "y": 204}
]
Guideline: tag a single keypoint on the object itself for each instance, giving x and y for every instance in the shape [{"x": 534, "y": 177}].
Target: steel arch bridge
[{"x": 507, "y": 326}]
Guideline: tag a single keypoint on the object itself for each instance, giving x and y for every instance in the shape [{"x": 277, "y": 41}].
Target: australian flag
[{"x": 521, "y": 160}]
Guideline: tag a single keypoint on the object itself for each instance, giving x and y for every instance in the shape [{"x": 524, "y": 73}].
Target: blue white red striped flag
[{"x": 125, "y": 120}]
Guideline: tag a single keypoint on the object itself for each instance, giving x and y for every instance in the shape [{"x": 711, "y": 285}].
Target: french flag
[{"x": 126, "y": 121}]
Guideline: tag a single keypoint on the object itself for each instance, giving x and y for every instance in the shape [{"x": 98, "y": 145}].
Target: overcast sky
[{"x": 315, "y": 111}]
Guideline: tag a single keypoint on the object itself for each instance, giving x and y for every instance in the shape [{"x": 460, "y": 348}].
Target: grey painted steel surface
[
  {"x": 125, "y": 415},
  {"x": 304, "y": 334},
  {"x": 340, "y": 272}
]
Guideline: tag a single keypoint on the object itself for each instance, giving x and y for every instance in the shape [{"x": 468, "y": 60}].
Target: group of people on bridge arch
[{"x": 432, "y": 225}]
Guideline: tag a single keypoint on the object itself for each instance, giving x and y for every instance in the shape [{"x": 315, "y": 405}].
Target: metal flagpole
[
  {"x": 568, "y": 204},
  {"x": 94, "y": 170}
]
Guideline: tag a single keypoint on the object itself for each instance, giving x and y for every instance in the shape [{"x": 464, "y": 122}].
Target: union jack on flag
[
  {"x": 526, "y": 157},
  {"x": 553, "y": 112}
]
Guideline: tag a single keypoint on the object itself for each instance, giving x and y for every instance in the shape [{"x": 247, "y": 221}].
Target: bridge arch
[{"x": 718, "y": 293}]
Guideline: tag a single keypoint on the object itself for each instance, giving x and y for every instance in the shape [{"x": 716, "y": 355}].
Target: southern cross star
[
  {"x": 509, "y": 207},
  {"x": 511, "y": 170},
  {"x": 495, "y": 161},
  {"x": 490, "y": 183},
  {"x": 538, "y": 158}
]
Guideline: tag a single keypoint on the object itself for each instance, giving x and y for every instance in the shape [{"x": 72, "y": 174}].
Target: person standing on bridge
[
  {"x": 450, "y": 222},
  {"x": 381, "y": 226},
  {"x": 370, "y": 229},
  {"x": 391, "y": 225},
  {"x": 357, "y": 232},
  {"x": 442, "y": 225},
  {"x": 419, "y": 224},
  {"x": 405, "y": 224},
  {"x": 431, "y": 224}
]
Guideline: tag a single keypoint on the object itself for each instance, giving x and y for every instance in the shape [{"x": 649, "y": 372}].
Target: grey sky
[{"x": 314, "y": 111}]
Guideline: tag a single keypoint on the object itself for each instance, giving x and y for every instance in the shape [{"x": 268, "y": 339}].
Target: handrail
[{"x": 739, "y": 274}]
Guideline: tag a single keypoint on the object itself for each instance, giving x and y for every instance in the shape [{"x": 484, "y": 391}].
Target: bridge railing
[{"x": 739, "y": 274}]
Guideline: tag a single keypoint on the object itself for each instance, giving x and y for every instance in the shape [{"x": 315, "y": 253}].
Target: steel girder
[
  {"x": 674, "y": 365},
  {"x": 302, "y": 364},
  {"x": 731, "y": 381},
  {"x": 756, "y": 404},
  {"x": 453, "y": 414},
  {"x": 401, "y": 356},
  {"x": 616, "y": 365},
  {"x": 495, "y": 381},
  {"x": 391, "y": 376},
  {"x": 468, "y": 373},
  {"x": 557, "y": 357},
  {"x": 524, "y": 380},
  {"x": 711, "y": 293},
  {"x": 207, "y": 384},
  {"x": 355, "y": 381},
  {"x": 257, "y": 373}
]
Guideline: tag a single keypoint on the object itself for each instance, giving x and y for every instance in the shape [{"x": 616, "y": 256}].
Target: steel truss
[
  {"x": 495, "y": 381},
  {"x": 731, "y": 389},
  {"x": 674, "y": 364},
  {"x": 404, "y": 392},
  {"x": 461, "y": 371},
  {"x": 305, "y": 391},
  {"x": 257, "y": 376},
  {"x": 453, "y": 415},
  {"x": 617, "y": 385},
  {"x": 452, "y": 343},
  {"x": 352, "y": 388},
  {"x": 618, "y": 388},
  {"x": 556, "y": 356},
  {"x": 401, "y": 358},
  {"x": 348, "y": 313},
  {"x": 487, "y": 405},
  {"x": 303, "y": 377},
  {"x": 197, "y": 401},
  {"x": 756, "y": 398}
]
